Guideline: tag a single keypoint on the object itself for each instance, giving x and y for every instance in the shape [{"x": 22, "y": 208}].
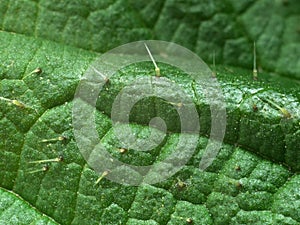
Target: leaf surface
[{"x": 254, "y": 178}]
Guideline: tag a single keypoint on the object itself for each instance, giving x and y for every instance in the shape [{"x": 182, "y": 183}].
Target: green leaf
[
  {"x": 254, "y": 178},
  {"x": 14, "y": 210},
  {"x": 226, "y": 27},
  {"x": 67, "y": 191}
]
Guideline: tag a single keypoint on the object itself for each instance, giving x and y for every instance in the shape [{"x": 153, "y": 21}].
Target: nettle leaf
[{"x": 254, "y": 178}]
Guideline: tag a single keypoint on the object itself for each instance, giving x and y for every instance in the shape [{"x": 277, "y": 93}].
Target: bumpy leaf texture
[{"x": 254, "y": 178}]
